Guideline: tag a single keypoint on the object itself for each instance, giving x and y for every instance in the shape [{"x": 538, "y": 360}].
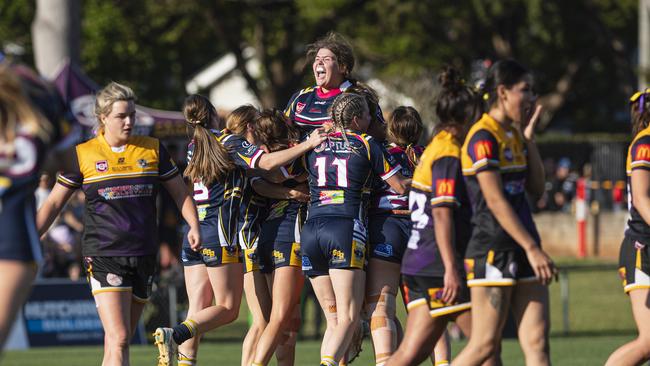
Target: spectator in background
[
  {"x": 562, "y": 187},
  {"x": 43, "y": 189}
]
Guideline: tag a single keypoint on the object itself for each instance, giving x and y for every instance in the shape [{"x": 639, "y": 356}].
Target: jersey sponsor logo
[
  {"x": 642, "y": 152},
  {"x": 384, "y": 250},
  {"x": 445, "y": 187},
  {"x": 121, "y": 160},
  {"x": 113, "y": 279},
  {"x": 300, "y": 107},
  {"x": 515, "y": 187},
  {"x": 323, "y": 102},
  {"x": 331, "y": 197},
  {"x": 142, "y": 163},
  {"x": 306, "y": 263},
  {"x": 483, "y": 149},
  {"x": 128, "y": 191},
  {"x": 101, "y": 166}
]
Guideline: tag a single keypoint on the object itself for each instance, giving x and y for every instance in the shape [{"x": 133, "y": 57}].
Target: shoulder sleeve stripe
[
  {"x": 421, "y": 186},
  {"x": 392, "y": 172},
  {"x": 67, "y": 182},
  {"x": 254, "y": 159},
  {"x": 168, "y": 175}
]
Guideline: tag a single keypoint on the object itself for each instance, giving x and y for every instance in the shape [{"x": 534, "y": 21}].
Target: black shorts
[
  {"x": 134, "y": 274},
  {"x": 332, "y": 243},
  {"x": 279, "y": 255},
  {"x": 424, "y": 290},
  {"x": 211, "y": 255},
  {"x": 634, "y": 264},
  {"x": 388, "y": 236},
  {"x": 504, "y": 268}
]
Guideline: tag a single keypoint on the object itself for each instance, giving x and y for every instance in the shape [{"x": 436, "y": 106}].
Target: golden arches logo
[
  {"x": 445, "y": 187},
  {"x": 642, "y": 152},
  {"x": 483, "y": 149}
]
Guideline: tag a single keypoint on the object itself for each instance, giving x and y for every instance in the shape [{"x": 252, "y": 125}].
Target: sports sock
[
  {"x": 184, "y": 331},
  {"x": 328, "y": 361}
]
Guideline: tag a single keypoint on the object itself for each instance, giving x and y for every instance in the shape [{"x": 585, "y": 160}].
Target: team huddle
[{"x": 326, "y": 190}]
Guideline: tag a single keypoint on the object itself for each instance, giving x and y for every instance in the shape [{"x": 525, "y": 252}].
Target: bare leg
[
  {"x": 442, "y": 350},
  {"x": 490, "y": 307},
  {"x": 287, "y": 283},
  {"x": 381, "y": 291},
  {"x": 638, "y": 350},
  {"x": 530, "y": 308},
  {"x": 199, "y": 295},
  {"x": 258, "y": 298},
  {"x": 114, "y": 310},
  {"x": 322, "y": 286},
  {"x": 17, "y": 278}
]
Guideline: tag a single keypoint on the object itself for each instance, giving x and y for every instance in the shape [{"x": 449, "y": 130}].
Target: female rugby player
[
  {"x": 25, "y": 135},
  {"x": 333, "y": 241},
  {"x": 633, "y": 260},
  {"x": 213, "y": 271},
  {"x": 506, "y": 266},
  {"x": 120, "y": 175},
  {"x": 389, "y": 226}
]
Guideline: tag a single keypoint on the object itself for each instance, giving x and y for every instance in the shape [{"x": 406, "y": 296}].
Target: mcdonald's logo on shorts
[
  {"x": 445, "y": 187},
  {"x": 483, "y": 149},
  {"x": 642, "y": 152}
]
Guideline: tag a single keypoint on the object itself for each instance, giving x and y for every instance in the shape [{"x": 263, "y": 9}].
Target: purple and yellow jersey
[
  {"x": 341, "y": 171},
  {"x": 120, "y": 185},
  {"x": 490, "y": 145},
  {"x": 437, "y": 182},
  {"x": 219, "y": 204},
  {"x": 383, "y": 198},
  {"x": 638, "y": 157}
]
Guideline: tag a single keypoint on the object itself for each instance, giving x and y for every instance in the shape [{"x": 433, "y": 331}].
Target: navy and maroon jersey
[
  {"x": 219, "y": 204},
  {"x": 437, "y": 182},
  {"x": 340, "y": 172},
  {"x": 120, "y": 185},
  {"x": 492, "y": 146},
  {"x": 384, "y": 199},
  {"x": 638, "y": 157},
  {"x": 19, "y": 177},
  {"x": 309, "y": 108}
]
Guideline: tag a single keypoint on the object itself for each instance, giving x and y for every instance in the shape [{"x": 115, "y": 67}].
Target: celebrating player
[
  {"x": 213, "y": 270},
  {"x": 634, "y": 261},
  {"x": 120, "y": 175},
  {"x": 332, "y": 63},
  {"x": 334, "y": 236},
  {"x": 389, "y": 226},
  {"x": 506, "y": 266}
]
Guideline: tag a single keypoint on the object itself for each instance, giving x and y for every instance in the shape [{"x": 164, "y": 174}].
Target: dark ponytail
[
  {"x": 457, "y": 102},
  {"x": 503, "y": 72}
]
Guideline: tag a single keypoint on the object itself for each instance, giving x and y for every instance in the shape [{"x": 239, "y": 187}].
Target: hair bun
[{"x": 449, "y": 78}]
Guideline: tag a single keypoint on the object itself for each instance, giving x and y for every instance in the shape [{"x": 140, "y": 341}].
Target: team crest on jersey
[
  {"x": 142, "y": 163},
  {"x": 101, "y": 166},
  {"x": 306, "y": 263},
  {"x": 300, "y": 107},
  {"x": 384, "y": 250}
]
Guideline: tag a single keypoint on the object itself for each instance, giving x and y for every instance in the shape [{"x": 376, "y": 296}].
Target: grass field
[{"x": 600, "y": 320}]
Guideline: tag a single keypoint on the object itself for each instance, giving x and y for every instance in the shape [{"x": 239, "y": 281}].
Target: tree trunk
[{"x": 56, "y": 34}]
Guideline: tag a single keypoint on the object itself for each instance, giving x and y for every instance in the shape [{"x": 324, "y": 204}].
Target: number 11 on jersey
[{"x": 341, "y": 171}]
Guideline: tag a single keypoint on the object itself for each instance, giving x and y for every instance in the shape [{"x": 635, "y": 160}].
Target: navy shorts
[
  {"x": 115, "y": 274},
  {"x": 332, "y": 243},
  {"x": 634, "y": 264},
  {"x": 388, "y": 235},
  {"x": 425, "y": 290},
  {"x": 503, "y": 268},
  {"x": 210, "y": 255},
  {"x": 280, "y": 254}
]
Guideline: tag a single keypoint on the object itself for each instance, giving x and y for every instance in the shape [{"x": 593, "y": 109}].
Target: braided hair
[{"x": 210, "y": 160}]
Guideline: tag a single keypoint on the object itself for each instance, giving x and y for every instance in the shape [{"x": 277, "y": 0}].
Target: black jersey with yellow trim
[
  {"x": 340, "y": 172},
  {"x": 383, "y": 198},
  {"x": 219, "y": 205},
  {"x": 437, "y": 182},
  {"x": 490, "y": 145},
  {"x": 252, "y": 213},
  {"x": 638, "y": 157},
  {"x": 120, "y": 185}
]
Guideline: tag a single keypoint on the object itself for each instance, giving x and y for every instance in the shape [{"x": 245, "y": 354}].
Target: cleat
[
  {"x": 355, "y": 344},
  {"x": 166, "y": 346}
]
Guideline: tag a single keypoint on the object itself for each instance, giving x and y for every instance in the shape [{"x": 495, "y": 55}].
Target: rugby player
[{"x": 505, "y": 264}]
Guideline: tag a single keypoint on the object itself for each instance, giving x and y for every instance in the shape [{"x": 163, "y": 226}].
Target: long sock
[
  {"x": 186, "y": 361},
  {"x": 184, "y": 331}
]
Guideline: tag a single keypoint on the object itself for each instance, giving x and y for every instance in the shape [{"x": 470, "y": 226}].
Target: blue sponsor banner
[{"x": 63, "y": 312}]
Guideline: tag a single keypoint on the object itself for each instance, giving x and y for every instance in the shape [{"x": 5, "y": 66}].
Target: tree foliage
[{"x": 583, "y": 52}]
